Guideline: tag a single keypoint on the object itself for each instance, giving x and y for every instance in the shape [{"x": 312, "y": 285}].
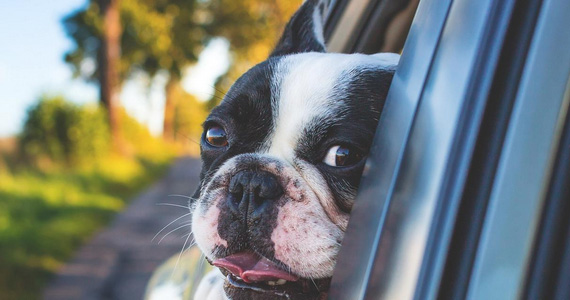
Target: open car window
[{"x": 462, "y": 194}]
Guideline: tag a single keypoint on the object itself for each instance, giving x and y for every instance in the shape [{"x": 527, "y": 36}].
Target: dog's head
[{"x": 282, "y": 159}]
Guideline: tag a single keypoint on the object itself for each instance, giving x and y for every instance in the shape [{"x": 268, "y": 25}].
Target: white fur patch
[
  {"x": 305, "y": 88},
  {"x": 316, "y": 182},
  {"x": 205, "y": 229},
  {"x": 305, "y": 240}
]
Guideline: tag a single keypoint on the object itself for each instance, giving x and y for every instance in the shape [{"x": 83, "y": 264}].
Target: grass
[{"x": 46, "y": 215}]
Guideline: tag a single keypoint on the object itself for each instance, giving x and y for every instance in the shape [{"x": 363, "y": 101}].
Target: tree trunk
[
  {"x": 109, "y": 56},
  {"x": 170, "y": 108}
]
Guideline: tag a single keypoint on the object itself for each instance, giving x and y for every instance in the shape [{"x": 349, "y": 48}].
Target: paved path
[{"x": 118, "y": 261}]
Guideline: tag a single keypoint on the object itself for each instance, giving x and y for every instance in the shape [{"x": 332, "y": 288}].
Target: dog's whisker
[
  {"x": 214, "y": 96},
  {"x": 187, "y": 137},
  {"x": 163, "y": 228},
  {"x": 315, "y": 285},
  {"x": 192, "y": 243},
  {"x": 179, "y": 255},
  {"x": 183, "y": 196},
  {"x": 218, "y": 90},
  {"x": 332, "y": 240},
  {"x": 201, "y": 259},
  {"x": 171, "y": 204},
  {"x": 189, "y": 233},
  {"x": 179, "y": 227}
]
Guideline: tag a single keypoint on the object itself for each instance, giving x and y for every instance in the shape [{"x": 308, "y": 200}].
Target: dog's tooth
[
  {"x": 281, "y": 282},
  {"x": 271, "y": 283}
]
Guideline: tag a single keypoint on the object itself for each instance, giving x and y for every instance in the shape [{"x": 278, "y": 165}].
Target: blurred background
[{"x": 97, "y": 99}]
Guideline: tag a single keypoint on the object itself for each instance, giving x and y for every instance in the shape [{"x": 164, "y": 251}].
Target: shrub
[
  {"x": 63, "y": 132},
  {"x": 46, "y": 214},
  {"x": 141, "y": 143}
]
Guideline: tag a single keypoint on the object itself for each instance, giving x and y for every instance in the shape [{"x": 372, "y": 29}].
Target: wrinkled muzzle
[{"x": 259, "y": 216}]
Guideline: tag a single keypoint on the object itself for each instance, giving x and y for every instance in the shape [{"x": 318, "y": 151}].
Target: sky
[{"x": 32, "y": 48}]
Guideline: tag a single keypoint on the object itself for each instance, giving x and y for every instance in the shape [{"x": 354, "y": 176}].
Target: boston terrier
[{"x": 282, "y": 156}]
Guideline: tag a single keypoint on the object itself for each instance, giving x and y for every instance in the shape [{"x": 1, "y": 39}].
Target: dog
[{"x": 282, "y": 156}]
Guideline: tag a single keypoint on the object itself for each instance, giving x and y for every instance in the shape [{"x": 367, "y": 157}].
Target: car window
[{"x": 442, "y": 187}]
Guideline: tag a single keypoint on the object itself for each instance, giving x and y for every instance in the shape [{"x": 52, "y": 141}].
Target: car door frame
[{"x": 411, "y": 238}]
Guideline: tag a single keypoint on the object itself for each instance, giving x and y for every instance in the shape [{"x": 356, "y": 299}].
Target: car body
[{"x": 466, "y": 193}]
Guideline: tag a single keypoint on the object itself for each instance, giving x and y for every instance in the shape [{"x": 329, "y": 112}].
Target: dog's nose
[{"x": 252, "y": 191}]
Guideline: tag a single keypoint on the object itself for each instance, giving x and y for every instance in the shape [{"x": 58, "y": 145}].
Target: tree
[
  {"x": 163, "y": 35},
  {"x": 157, "y": 35},
  {"x": 168, "y": 35},
  {"x": 109, "y": 57},
  {"x": 100, "y": 41},
  {"x": 252, "y": 27}
]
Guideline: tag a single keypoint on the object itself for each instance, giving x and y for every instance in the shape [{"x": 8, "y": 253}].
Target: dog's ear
[{"x": 304, "y": 32}]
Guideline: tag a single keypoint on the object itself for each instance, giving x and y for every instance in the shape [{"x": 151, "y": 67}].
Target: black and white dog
[{"x": 282, "y": 159}]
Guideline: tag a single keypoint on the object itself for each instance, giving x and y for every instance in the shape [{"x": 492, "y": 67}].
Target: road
[{"x": 119, "y": 260}]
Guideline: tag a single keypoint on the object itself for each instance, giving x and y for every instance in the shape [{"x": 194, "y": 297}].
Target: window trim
[
  {"x": 350, "y": 281},
  {"x": 527, "y": 161},
  {"x": 400, "y": 131},
  {"x": 352, "y": 26},
  {"x": 549, "y": 270}
]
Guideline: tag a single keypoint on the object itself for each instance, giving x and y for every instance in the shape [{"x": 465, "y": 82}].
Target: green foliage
[
  {"x": 45, "y": 216},
  {"x": 69, "y": 184},
  {"x": 157, "y": 35},
  {"x": 142, "y": 144},
  {"x": 64, "y": 133},
  {"x": 252, "y": 27},
  {"x": 160, "y": 35},
  {"x": 170, "y": 34},
  {"x": 85, "y": 28},
  {"x": 59, "y": 133}
]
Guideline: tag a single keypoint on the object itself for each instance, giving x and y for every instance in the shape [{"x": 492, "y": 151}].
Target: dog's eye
[
  {"x": 341, "y": 156},
  {"x": 216, "y": 136}
]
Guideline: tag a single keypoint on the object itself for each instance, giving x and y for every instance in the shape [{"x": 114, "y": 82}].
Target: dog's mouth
[
  {"x": 249, "y": 271},
  {"x": 252, "y": 268}
]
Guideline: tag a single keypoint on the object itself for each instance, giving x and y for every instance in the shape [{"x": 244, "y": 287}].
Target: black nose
[{"x": 252, "y": 192}]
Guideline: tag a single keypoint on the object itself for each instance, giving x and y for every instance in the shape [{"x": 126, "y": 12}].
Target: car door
[{"x": 466, "y": 189}]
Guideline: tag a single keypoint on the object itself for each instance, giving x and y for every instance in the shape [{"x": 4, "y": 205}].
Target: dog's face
[{"x": 282, "y": 159}]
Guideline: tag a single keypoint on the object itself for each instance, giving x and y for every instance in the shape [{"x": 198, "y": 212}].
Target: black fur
[
  {"x": 363, "y": 99},
  {"x": 299, "y": 35},
  {"x": 245, "y": 114}
]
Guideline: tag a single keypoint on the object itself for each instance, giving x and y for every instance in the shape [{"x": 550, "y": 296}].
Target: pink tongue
[{"x": 251, "y": 268}]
